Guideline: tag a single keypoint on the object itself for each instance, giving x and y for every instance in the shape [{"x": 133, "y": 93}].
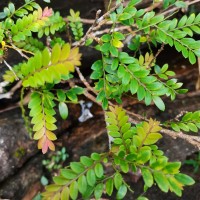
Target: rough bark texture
[
  {"x": 16, "y": 186},
  {"x": 15, "y": 145}
]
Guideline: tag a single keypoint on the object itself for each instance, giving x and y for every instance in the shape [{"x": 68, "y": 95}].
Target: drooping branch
[{"x": 194, "y": 140}]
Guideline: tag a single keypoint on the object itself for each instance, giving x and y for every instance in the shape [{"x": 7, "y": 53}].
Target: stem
[
  {"x": 194, "y": 140},
  {"x": 10, "y": 68},
  {"x": 104, "y": 155},
  {"x": 22, "y": 7},
  {"x": 26, "y": 119},
  {"x": 177, "y": 40},
  {"x": 20, "y": 50}
]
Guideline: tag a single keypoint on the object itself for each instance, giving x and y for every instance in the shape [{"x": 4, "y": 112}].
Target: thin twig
[
  {"x": 153, "y": 6},
  {"x": 198, "y": 80},
  {"x": 194, "y": 140},
  {"x": 173, "y": 9},
  {"x": 20, "y": 51},
  {"x": 91, "y": 97},
  {"x": 82, "y": 41},
  {"x": 84, "y": 81},
  {"x": 10, "y": 68},
  {"x": 98, "y": 22},
  {"x": 17, "y": 105},
  {"x": 107, "y": 30},
  {"x": 9, "y": 94},
  {"x": 157, "y": 54},
  {"x": 183, "y": 112}
]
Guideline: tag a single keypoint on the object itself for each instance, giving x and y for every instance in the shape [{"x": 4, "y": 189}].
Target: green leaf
[
  {"x": 147, "y": 176},
  {"x": 187, "y": 116},
  {"x": 109, "y": 186},
  {"x": 88, "y": 42},
  {"x": 127, "y": 60},
  {"x": 183, "y": 126},
  {"x": 141, "y": 73},
  {"x": 159, "y": 102},
  {"x": 182, "y": 21},
  {"x": 52, "y": 188},
  {"x": 133, "y": 86},
  {"x": 115, "y": 64},
  {"x": 82, "y": 184},
  {"x": 60, "y": 180},
  {"x": 88, "y": 193},
  {"x": 118, "y": 141},
  {"x": 162, "y": 36},
  {"x": 117, "y": 43},
  {"x": 184, "y": 179},
  {"x": 63, "y": 110},
  {"x": 181, "y": 4},
  {"x": 114, "y": 51},
  {"x": 154, "y": 86},
  {"x": 68, "y": 174},
  {"x": 124, "y": 166},
  {"x": 141, "y": 93},
  {"x": 121, "y": 71},
  {"x": 192, "y": 127},
  {"x": 6, "y": 11},
  {"x": 61, "y": 95},
  {"x": 121, "y": 192},
  {"x": 114, "y": 134},
  {"x": 105, "y": 103},
  {"x": 11, "y": 7},
  {"x": 44, "y": 180},
  {"x": 98, "y": 191},
  {"x": 106, "y": 38},
  {"x": 96, "y": 74},
  {"x": 118, "y": 180},
  {"x": 86, "y": 161},
  {"x": 95, "y": 156},
  {"x": 172, "y": 167},
  {"x": 65, "y": 52},
  {"x": 77, "y": 167},
  {"x": 113, "y": 17},
  {"x": 156, "y": 19},
  {"x": 99, "y": 170},
  {"x": 126, "y": 79},
  {"x": 101, "y": 96},
  {"x": 45, "y": 57},
  {"x": 71, "y": 95},
  {"x": 175, "y": 186},
  {"x": 2, "y": 15},
  {"x": 175, "y": 127},
  {"x": 124, "y": 16},
  {"x": 55, "y": 53},
  {"x": 91, "y": 177},
  {"x": 148, "y": 98},
  {"x": 118, "y": 36},
  {"x": 144, "y": 155},
  {"x": 161, "y": 180},
  {"x": 105, "y": 47},
  {"x": 152, "y": 138},
  {"x": 142, "y": 198},
  {"x": 134, "y": 2},
  {"x": 192, "y": 57},
  {"x": 190, "y": 19},
  {"x": 73, "y": 190},
  {"x": 65, "y": 193}
]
